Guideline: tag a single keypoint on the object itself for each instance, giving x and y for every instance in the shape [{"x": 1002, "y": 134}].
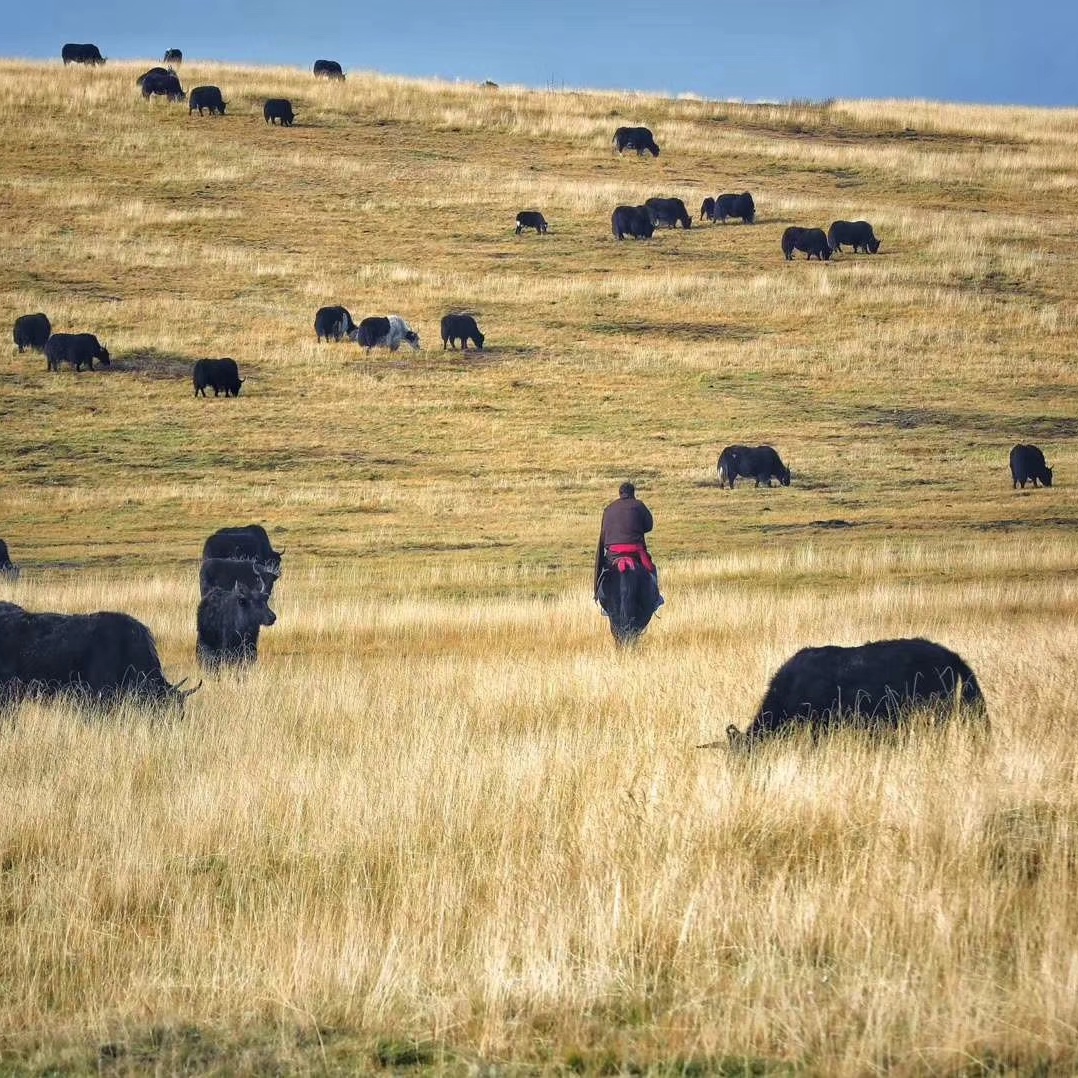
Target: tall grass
[{"x": 444, "y": 822}]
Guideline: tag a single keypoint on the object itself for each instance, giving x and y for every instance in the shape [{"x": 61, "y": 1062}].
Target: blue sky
[{"x": 951, "y": 50}]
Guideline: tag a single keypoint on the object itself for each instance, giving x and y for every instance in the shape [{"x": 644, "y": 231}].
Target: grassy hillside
[{"x": 443, "y": 822}]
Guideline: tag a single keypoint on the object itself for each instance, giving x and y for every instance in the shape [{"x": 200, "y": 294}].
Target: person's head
[{"x": 626, "y": 490}]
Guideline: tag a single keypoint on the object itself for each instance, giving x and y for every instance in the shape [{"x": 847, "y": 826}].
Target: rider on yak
[{"x": 625, "y": 522}]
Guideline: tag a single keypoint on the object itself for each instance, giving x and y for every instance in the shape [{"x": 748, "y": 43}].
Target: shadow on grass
[
  {"x": 450, "y": 360},
  {"x": 154, "y": 364},
  {"x": 687, "y": 331},
  {"x": 1012, "y": 427}
]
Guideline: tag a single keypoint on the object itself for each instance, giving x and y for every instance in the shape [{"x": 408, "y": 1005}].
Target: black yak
[
  {"x": 278, "y": 110},
  {"x": 220, "y": 375},
  {"x": 226, "y": 573},
  {"x": 759, "y": 462},
  {"x": 333, "y": 323},
  {"x": 206, "y": 97},
  {"x": 635, "y": 138},
  {"x": 249, "y": 541},
  {"x": 76, "y": 349},
  {"x": 531, "y": 219},
  {"x": 735, "y": 206},
  {"x": 7, "y": 567},
  {"x": 100, "y": 658},
  {"x": 32, "y": 331},
  {"x": 460, "y": 327},
  {"x": 872, "y": 686},
  {"x": 151, "y": 72},
  {"x": 162, "y": 84},
  {"x": 1028, "y": 465},
  {"x": 81, "y": 54},
  {"x": 855, "y": 234},
  {"x": 228, "y": 625},
  {"x": 632, "y": 221},
  {"x": 668, "y": 211},
  {"x": 810, "y": 240}
]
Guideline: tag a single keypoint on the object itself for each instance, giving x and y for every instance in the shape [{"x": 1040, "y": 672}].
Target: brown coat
[{"x": 625, "y": 521}]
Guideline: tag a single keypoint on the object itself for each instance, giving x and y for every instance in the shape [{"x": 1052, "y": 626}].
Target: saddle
[{"x": 624, "y": 557}]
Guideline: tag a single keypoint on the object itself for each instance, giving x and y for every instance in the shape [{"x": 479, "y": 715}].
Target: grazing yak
[
  {"x": 32, "y": 331},
  {"x": 101, "y": 658},
  {"x": 390, "y": 332},
  {"x": 228, "y": 625},
  {"x": 741, "y": 206},
  {"x": 81, "y": 54},
  {"x": 872, "y": 686},
  {"x": 333, "y": 323},
  {"x": 278, "y": 110},
  {"x": 151, "y": 72},
  {"x": 162, "y": 84},
  {"x": 220, "y": 375},
  {"x": 668, "y": 212},
  {"x": 1028, "y": 464},
  {"x": 855, "y": 234},
  {"x": 173, "y": 56},
  {"x": 206, "y": 97},
  {"x": 76, "y": 349},
  {"x": 328, "y": 69},
  {"x": 226, "y": 573},
  {"x": 248, "y": 542},
  {"x": 460, "y": 327},
  {"x": 635, "y": 138},
  {"x": 759, "y": 462},
  {"x": 531, "y": 219},
  {"x": 632, "y": 221},
  {"x": 810, "y": 240},
  {"x": 7, "y": 567}
]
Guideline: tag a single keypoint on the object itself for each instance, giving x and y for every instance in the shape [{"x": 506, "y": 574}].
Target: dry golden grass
[{"x": 443, "y": 823}]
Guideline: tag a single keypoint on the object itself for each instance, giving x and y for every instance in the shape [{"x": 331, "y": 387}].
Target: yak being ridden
[{"x": 626, "y": 584}]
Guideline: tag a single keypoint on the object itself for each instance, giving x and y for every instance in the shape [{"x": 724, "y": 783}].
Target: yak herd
[
  {"x": 165, "y": 82},
  {"x": 106, "y": 657}
]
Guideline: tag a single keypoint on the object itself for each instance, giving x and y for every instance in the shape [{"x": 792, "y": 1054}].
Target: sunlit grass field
[{"x": 444, "y": 824}]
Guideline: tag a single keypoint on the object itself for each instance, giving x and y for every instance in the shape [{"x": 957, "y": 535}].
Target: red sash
[{"x": 623, "y": 554}]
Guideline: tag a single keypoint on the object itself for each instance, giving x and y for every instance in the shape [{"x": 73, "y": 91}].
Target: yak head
[
  {"x": 177, "y": 694},
  {"x": 103, "y": 357},
  {"x": 784, "y": 477},
  {"x": 248, "y": 609},
  {"x": 873, "y": 245},
  {"x": 413, "y": 339},
  {"x": 1046, "y": 479}
]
